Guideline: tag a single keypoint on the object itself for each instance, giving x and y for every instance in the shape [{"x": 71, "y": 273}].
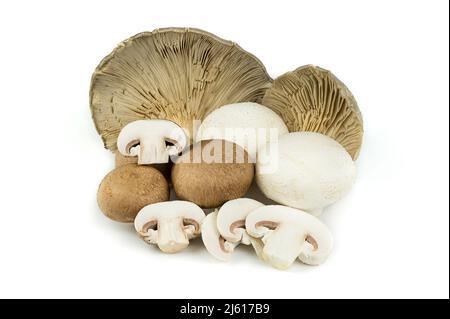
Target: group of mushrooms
[{"x": 184, "y": 109}]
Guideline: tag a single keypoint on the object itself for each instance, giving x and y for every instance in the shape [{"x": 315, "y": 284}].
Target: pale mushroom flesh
[
  {"x": 289, "y": 233},
  {"x": 170, "y": 225},
  {"x": 152, "y": 141},
  {"x": 224, "y": 230}
]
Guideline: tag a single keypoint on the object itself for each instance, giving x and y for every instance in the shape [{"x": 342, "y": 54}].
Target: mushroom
[
  {"x": 148, "y": 140},
  {"x": 247, "y": 124},
  {"x": 288, "y": 233},
  {"x": 313, "y": 99},
  {"x": 127, "y": 189},
  {"x": 224, "y": 230},
  {"x": 120, "y": 160},
  {"x": 177, "y": 74},
  {"x": 211, "y": 173},
  {"x": 170, "y": 225},
  {"x": 305, "y": 170}
]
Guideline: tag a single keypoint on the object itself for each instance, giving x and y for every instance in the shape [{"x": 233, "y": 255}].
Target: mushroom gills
[
  {"x": 313, "y": 99},
  {"x": 178, "y": 74}
]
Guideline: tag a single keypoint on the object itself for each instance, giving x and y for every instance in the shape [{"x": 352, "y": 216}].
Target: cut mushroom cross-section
[
  {"x": 170, "y": 225},
  {"x": 147, "y": 139},
  {"x": 288, "y": 233},
  {"x": 224, "y": 230}
]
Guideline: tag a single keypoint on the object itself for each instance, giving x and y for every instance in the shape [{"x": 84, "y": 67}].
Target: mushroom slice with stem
[
  {"x": 231, "y": 219},
  {"x": 170, "y": 225},
  {"x": 288, "y": 233},
  {"x": 147, "y": 139},
  {"x": 215, "y": 244},
  {"x": 224, "y": 230}
]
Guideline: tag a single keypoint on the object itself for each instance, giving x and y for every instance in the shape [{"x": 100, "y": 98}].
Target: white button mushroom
[
  {"x": 147, "y": 139},
  {"x": 306, "y": 170},
  {"x": 288, "y": 233},
  {"x": 224, "y": 230},
  {"x": 170, "y": 225},
  {"x": 247, "y": 124}
]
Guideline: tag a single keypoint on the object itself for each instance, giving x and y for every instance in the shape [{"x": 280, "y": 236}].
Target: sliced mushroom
[
  {"x": 214, "y": 243},
  {"x": 148, "y": 140},
  {"x": 288, "y": 233},
  {"x": 170, "y": 225},
  {"x": 178, "y": 74},
  {"x": 224, "y": 230},
  {"x": 313, "y": 99},
  {"x": 231, "y": 219}
]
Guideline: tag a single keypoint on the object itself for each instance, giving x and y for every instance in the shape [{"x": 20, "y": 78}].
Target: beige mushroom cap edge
[{"x": 177, "y": 74}]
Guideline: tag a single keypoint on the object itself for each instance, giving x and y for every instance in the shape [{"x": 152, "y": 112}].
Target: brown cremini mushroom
[
  {"x": 121, "y": 160},
  {"x": 176, "y": 74},
  {"x": 313, "y": 99},
  {"x": 127, "y": 189},
  {"x": 212, "y": 172}
]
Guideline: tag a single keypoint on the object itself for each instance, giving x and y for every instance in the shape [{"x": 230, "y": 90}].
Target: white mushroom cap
[
  {"x": 224, "y": 230},
  {"x": 247, "y": 124},
  {"x": 288, "y": 233},
  {"x": 231, "y": 219},
  {"x": 170, "y": 225},
  {"x": 305, "y": 170},
  {"x": 147, "y": 139}
]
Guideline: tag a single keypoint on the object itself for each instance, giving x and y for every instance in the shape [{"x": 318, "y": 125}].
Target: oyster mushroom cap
[
  {"x": 288, "y": 233},
  {"x": 170, "y": 225},
  {"x": 147, "y": 139},
  {"x": 231, "y": 219},
  {"x": 313, "y": 99},
  {"x": 247, "y": 124},
  {"x": 308, "y": 171},
  {"x": 177, "y": 74}
]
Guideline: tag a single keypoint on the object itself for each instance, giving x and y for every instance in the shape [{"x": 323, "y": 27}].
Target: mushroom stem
[
  {"x": 257, "y": 245},
  {"x": 153, "y": 151},
  {"x": 171, "y": 235},
  {"x": 280, "y": 250}
]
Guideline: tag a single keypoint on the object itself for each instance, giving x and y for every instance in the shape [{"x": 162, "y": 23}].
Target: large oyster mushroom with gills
[
  {"x": 176, "y": 74},
  {"x": 313, "y": 99}
]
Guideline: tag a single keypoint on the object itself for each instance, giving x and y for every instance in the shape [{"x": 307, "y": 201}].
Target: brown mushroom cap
[
  {"x": 120, "y": 160},
  {"x": 313, "y": 99},
  {"x": 176, "y": 74},
  {"x": 127, "y": 189},
  {"x": 210, "y": 185}
]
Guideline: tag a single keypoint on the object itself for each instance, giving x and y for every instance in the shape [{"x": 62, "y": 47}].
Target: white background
[{"x": 391, "y": 231}]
